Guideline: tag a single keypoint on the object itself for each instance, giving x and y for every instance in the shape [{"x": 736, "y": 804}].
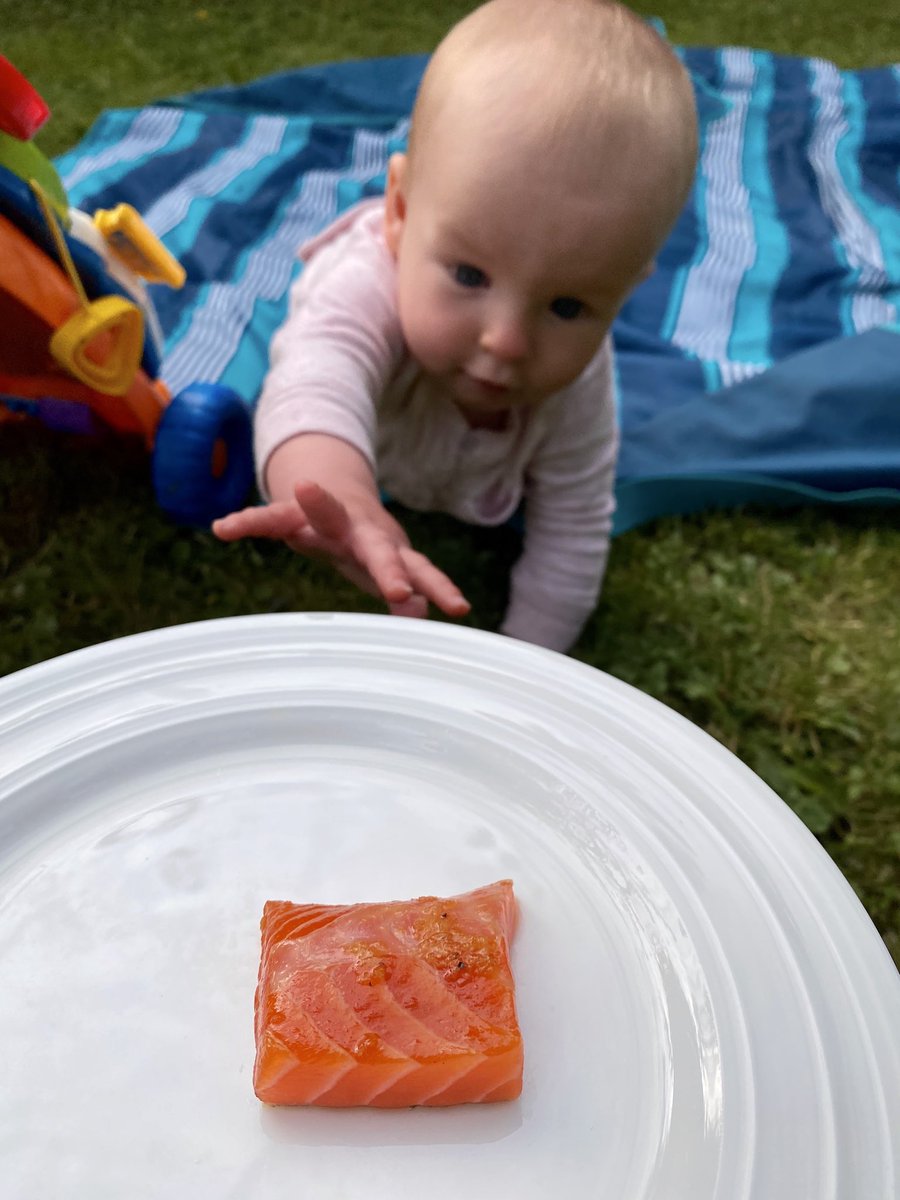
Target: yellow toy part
[
  {"x": 132, "y": 241},
  {"x": 101, "y": 344}
]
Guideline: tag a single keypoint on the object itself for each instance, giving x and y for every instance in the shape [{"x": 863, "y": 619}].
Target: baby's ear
[{"x": 395, "y": 202}]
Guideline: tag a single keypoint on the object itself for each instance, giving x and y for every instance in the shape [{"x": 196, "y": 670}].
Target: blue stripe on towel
[
  {"x": 879, "y": 158},
  {"x": 879, "y": 162},
  {"x": 879, "y": 280},
  {"x": 257, "y": 295},
  {"x": 147, "y": 153},
  {"x": 704, "y": 65},
  {"x": 749, "y": 344},
  {"x": 705, "y": 319},
  {"x": 833, "y": 152},
  {"x": 204, "y": 340},
  {"x": 237, "y": 170},
  {"x": 805, "y": 311},
  {"x": 651, "y": 306},
  {"x": 270, "y": 300}
]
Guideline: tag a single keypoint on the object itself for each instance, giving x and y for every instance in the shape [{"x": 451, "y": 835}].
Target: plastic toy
[{"x": 80, "y": 342}]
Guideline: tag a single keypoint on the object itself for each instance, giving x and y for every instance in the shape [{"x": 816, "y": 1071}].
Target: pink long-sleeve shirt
[{"x": 339, "y": 366}]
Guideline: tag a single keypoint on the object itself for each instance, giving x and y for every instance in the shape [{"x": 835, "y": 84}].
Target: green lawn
[{"x": 777, "y": 632}]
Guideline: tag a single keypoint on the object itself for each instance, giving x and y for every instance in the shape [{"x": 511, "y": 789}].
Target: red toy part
[{"x": 22, "y": 109}]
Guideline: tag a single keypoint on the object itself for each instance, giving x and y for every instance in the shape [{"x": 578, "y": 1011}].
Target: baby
[{"x": 450, "y": 342}]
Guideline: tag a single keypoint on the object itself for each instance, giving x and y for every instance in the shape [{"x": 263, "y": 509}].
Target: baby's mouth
[{"x": 489, "y": 386}]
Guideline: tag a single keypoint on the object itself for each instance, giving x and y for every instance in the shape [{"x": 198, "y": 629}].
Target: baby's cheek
[
  {"x": 571, "y": 357},
  {"x": 555, "y": 371},
  {"x": 432, "y": 338}
]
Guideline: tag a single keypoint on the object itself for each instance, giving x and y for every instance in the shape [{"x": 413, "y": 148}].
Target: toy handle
[{"x": 101, "y": 344}]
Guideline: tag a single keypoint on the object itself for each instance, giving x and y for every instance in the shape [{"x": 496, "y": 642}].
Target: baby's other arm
[{"x": 569, "y": 506}]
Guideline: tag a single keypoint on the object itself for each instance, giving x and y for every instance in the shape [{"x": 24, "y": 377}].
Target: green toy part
[{"x": 27, "y": 162}]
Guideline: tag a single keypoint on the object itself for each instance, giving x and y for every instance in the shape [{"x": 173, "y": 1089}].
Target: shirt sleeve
[
  {"x": 569, "y": 505},
  {"x": 336, "y": 350}
]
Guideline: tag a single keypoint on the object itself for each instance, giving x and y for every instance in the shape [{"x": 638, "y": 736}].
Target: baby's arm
[
  {"x": 315, "y": 429},
  {"x": 568, "y": 517},
  {"x": 325, "y": 503}
]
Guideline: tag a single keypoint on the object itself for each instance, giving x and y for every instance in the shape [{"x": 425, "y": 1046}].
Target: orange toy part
[
  {"x": 36, "y": 299},
  {"x": 389, "y": 1005}
]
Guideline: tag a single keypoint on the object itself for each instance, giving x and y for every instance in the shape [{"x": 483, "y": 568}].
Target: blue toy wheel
[{"x": 203, "y": 455}]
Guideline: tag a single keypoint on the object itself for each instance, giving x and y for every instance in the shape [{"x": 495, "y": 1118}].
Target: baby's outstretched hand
[{"x": 360, "y": 538}]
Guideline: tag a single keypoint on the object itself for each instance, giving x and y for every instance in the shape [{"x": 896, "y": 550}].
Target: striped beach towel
[{"x": 761, "y": 361}]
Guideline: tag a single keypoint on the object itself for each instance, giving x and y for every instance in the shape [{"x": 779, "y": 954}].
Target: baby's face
[{"x": 507, "y": 281}]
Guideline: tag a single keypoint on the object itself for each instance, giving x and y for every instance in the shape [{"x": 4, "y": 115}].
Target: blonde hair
[{"x": 563, "y": 77}]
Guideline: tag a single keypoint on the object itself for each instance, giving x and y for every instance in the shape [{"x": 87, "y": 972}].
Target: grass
[
  {"x": 774, "y": 631},
  {"x": 101, "y": 54}
]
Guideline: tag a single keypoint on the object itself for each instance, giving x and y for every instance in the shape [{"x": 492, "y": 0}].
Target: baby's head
[{"x": 553, "y": 143}]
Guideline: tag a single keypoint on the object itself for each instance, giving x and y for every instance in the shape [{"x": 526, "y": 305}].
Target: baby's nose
[{"x": 506, "y": 337}]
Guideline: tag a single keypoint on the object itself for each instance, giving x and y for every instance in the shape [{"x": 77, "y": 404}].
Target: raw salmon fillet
[{"x": 409, "y": 1002}]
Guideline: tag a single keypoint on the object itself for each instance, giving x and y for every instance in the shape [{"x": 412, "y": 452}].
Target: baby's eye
[
  {"x": 567, "y": 308},
  {"x": 468, "y": 276}
]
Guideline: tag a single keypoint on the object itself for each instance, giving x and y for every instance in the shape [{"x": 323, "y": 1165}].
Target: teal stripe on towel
[
  {"x": 751, "y": 330},
  {"x": 124, "y": 141}
]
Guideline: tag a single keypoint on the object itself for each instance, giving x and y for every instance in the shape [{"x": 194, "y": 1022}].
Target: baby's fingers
[
  {"x": 326, "y": 514},
  {"x": 431, "y": 582},
  {"x": 278, "y": 521},
  {"x": 415, "y": 606},
  {"x": 354, "y": 546},
  {"x": 384, "y": 562}
]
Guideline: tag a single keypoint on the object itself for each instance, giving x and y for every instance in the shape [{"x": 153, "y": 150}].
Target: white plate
[{"x": 707, "y": 1009}]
